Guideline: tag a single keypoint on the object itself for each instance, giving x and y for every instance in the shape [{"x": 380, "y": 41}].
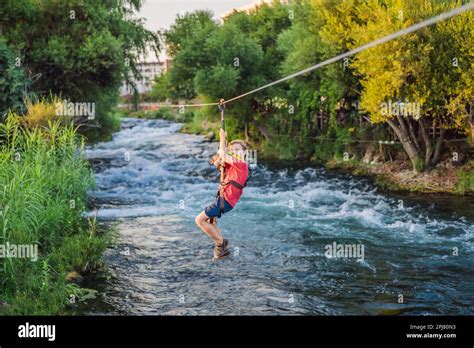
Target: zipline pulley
[{"x": 221, "y": 107}]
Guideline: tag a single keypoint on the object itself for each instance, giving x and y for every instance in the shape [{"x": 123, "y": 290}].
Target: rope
[
  {"x": 415, "y": 27},
  {"x": 383, "y": 142},
  {"x": 184, "y": 105}
]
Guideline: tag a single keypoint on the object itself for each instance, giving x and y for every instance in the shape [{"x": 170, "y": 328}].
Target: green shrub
[
  {"x": 165, "y": 114},
  {"x": 45, "y": 179},
  {"x": 201, "y": 121},
  {"x": 13, "y": 83},
  {"x": 465, "y": 182}
]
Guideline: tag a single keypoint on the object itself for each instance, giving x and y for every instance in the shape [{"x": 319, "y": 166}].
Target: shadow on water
[{"x": 152, "y": 181}]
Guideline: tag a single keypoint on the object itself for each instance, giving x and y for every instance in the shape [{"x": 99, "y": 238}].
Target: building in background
[
  {"x": 148, "y": 70},
  {"x": 251, "y": 7}
]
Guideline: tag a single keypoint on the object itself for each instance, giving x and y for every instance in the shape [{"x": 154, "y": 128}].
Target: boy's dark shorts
[{"x": 213, "y": 209}]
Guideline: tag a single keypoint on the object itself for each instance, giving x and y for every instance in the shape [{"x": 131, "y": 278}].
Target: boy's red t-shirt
[{"x": 237, "y": 171}]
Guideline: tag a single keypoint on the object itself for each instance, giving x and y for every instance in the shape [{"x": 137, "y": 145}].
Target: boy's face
[{"x": 236, "y": 148}]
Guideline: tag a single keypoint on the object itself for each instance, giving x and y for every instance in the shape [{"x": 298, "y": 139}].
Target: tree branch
[
  {"x": 427, "y": 140},
  {"x": 413, "y": 136},
  {"x": 438, "y": 147}
]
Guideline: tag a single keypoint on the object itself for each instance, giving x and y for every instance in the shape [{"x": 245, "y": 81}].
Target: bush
[
  {"x": 201, "y": 121},
  {"x": 13, "y": 83},
  {"x": 45, "y": 179},
  {"x": 465, "y": 182},
  {"x": 165, "y": 114}
]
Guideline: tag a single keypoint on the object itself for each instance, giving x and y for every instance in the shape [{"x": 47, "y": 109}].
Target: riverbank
[
  {"x": 47, "y": 245},
  {"x": 397, "y": 176}
]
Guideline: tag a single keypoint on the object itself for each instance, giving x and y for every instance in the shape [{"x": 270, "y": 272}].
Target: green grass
[
  {"x": 44, "y": 180},
  {"x": 200, "y": 121},
  {"x": 465, "y": 182}
]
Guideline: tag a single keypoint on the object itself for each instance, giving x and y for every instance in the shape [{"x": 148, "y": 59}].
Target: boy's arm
[
  {"x": 222, "y": 145},
  {"x": 224, "y": 157},
  {"x": 223, "y": 149}
]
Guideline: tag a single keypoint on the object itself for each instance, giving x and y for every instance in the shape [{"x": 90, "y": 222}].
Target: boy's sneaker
[{"x": 221, "y": 251}]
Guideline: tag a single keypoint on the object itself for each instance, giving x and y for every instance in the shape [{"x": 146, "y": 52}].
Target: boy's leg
[{"x": 211, "y": 230}]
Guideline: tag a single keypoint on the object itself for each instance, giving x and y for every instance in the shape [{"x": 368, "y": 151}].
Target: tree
[
  {"x": 409, "y": 83},
  {"x": 161, "y": 87},
  {"x": 185, "y": 41},
  {"x": 234, "y": 63},
  {"x": 302, "y": 108},
  {"x": 213, "y": 61},
  {"x": 263, "y": 26},
  {"x": 80, "y": 50},
  {"x": 184, "y": 29},
  {"x": 13, "y": 83}
]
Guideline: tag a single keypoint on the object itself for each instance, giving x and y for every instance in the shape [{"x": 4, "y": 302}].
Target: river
[{"x": 415, "y": 254}]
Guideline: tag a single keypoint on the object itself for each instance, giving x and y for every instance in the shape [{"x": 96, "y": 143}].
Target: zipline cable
[
  {"x": 185, "y": 105},
  {"x": 415, "y": 27}
]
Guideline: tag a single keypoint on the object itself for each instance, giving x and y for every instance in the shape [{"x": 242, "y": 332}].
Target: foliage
[
  {"x": 45, "y": 179},
  {"x": 160, "y": 90},
  {"x": 465, "y": 182},
  {"x": 186, "y": 42},
  {"x": 234, "y": 66},
  {"x": 309, "y": 117},
  {"x": 13, "y": 82},
  {"x": 80, "y": 50},
  {"x": 418, "y": 69}
]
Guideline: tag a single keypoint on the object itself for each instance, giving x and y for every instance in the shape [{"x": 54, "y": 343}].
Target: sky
[{"x": 160, "y": 14}]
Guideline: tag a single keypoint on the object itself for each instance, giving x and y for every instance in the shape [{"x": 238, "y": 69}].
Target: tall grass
[
  {"x": 44, "y": 180},
  {"x": 42, "y": 111},
  {"x": 465, "y": 184}
]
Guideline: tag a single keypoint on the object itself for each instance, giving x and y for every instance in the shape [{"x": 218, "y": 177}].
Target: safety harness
[
  {"x": 224, "y": 182},
  {"x": 233, "y": 182}
]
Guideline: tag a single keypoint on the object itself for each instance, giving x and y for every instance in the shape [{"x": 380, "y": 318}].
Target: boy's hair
[{"x": 240, "y": 142}]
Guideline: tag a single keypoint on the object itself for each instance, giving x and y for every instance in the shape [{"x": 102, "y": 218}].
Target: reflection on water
[{"x": 153, "y": 181}]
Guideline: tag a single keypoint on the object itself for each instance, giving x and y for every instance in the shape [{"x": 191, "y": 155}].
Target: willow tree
[{"x": 419, "y": 80}]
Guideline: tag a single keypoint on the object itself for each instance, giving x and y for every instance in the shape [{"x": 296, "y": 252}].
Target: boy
[{"x": 236, "y": 173}]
